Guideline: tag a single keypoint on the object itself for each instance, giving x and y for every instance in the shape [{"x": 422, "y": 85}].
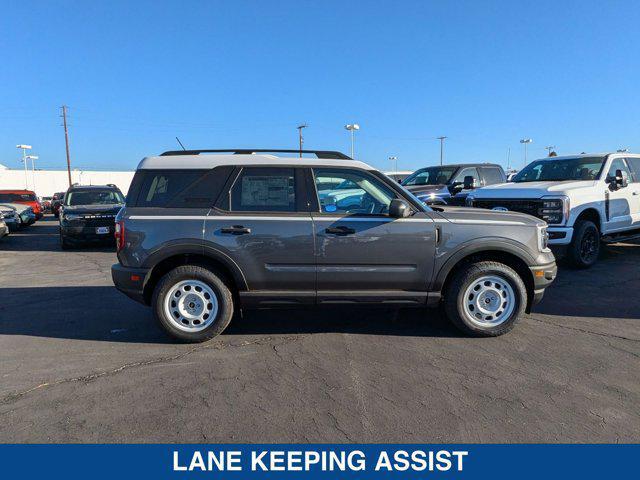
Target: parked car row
[{"x": 18, "y": 209}]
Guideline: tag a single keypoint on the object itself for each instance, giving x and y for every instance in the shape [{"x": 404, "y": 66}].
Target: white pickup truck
[{"x": 586, "y": 199}]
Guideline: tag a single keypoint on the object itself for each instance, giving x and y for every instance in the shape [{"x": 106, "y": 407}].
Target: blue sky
[{"x": 219, "y": 74}]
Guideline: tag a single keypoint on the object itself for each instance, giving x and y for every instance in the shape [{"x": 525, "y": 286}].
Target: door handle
[
  {"x": 340, "y": 231},
  {"x": 635, "y": 193},
  {"x": 236, "y": 230}
]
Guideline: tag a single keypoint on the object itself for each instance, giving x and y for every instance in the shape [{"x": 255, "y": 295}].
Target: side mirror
[
  {"x": 622, "y": 179},
  {"x": 399, "y": 208},
  {"x": 469, "y": 183}
]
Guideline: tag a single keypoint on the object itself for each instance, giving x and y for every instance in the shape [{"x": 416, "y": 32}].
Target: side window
[
  {"x": 160, "y": 186},
  {"x": 351, "y": 192},
  {"x": 492, "y": 175},
  {"x": 264, "y": 189},
  {"x": 617, "y": 164},
  {"x": 634, "y": 163},
  {"x": 467, "y": 172}
]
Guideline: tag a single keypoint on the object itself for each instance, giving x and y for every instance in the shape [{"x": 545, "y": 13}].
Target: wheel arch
[
  {"x": 504, "y": 252},
  {"x": 192, "y": 254},
  {"x": 592, "y": 214}
]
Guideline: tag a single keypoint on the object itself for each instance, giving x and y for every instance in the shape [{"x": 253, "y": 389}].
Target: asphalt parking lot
[{"x": 80, "y": 362}]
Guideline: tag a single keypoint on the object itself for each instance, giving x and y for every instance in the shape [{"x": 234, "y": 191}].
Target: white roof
[{"x": 207, "y": 161}]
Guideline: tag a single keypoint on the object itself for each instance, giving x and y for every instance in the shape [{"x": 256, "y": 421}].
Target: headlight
[
  {"x": 543, "y": 239},
  {"x": 555, "y": 210},
  {"x": 70, "y": 217}
]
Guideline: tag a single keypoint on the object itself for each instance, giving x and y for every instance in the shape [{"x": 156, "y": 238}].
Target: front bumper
[
  {"x": 130, "y": 281},
  {"x": 560, "y": 235},
  {"x": 87, "y": 234},
  {"x": 4, "y": 230},
  {"x": 543, "y": 276}
]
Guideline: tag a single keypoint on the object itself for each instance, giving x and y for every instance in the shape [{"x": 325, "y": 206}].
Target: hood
[
  {"x": 18, "y": 207},
  {"x": 422, "y": 190},
  {"x": 83, "y": 209},
  {"x": 531, "y": 189},
  {"x": 466, "y": 215}
]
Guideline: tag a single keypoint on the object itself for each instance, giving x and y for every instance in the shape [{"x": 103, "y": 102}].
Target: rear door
[
  {"x": 261, "y": 223},
  {"x": 491, "y": 176},
  {"x": 361, "y": 252},
  {"x": 634, "y": 186}
]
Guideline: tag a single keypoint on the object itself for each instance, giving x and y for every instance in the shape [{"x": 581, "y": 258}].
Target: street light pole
[
  {"x": 394, "y": 160},
  {"x": 300, "y": 138},
  {"x": 33, "y": 159},
  {"x": 24, "y": 149},
  {"x": 352, "y": 127},
  {"x": 549, "y": 149},
  {"x": 441, "y": 148},
  {"x": 526, "y": 141}
]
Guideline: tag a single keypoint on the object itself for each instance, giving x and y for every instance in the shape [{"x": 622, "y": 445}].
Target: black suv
[
  {"x": 450, "y": 184},
  {"x": 88, "y": 214},
  {"x": 203, "y": 235}
]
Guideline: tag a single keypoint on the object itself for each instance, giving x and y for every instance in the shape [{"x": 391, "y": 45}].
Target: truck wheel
[
  {"x": 485, "y": 299},
  {"x": 584, "y": 249},
  {"x": 192, "y": 303}
]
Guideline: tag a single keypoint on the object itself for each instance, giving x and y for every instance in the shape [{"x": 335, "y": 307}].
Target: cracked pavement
[{"x": 80, "y": 362}]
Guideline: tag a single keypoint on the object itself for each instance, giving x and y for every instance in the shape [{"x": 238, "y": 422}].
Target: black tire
[
  {"x": 454, "y": 298},
  {"x": 223, "y": 294},
  {"x": 64, "y": 244},
  {"x": 584, "y": 250}
]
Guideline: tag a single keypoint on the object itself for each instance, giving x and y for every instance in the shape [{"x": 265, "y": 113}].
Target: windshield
[
  {"x": 93, "y": 197},
  {"x": 430, "y": 176},
  {"x": 581, "y": 168},
  {"x": 17, "y": 197}
]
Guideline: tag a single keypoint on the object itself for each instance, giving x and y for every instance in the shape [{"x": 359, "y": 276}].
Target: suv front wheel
[
  {"x": 485, "y": 299},
  {"x": 192, "y": 303}
]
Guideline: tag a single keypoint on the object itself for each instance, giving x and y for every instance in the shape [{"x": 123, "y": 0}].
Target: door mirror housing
[
  {"x": 399, "y": 208},
  {"x": 470, "y": 182},
  {"x": 622, "y": 179}
]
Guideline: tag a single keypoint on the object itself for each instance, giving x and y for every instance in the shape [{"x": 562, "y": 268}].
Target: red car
[{"x": 26, "y": 197}]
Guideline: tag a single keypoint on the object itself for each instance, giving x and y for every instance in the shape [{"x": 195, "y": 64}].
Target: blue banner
[{"x": 319, "y": 461}]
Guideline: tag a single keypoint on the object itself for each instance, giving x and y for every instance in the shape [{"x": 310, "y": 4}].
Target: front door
[
  {"x": 362, "y": 251},
  {"x": 619, "y": 200}
]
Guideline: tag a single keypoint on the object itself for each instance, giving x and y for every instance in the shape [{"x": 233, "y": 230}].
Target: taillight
[{"x": 119, "y": 234}]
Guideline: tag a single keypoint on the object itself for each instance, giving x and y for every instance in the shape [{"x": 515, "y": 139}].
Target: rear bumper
[
  {"x": 543, "y": 276},
  {"x": 130, "y": 281}
]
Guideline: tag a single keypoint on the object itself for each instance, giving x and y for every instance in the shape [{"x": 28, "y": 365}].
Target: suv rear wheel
[
  {"x": 192, "y": 303},
  {"x": 584, "y": 249},
  {"x": 485, "y": 299}
]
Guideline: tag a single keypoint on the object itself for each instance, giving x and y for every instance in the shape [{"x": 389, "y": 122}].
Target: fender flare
[
  {"x": 473, "y": 246},
  {"x": 173, "y": 249}
]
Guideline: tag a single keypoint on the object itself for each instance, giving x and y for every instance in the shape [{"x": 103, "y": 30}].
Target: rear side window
[
  {"x": 178, "y": 188},
  {"x": 264, "y": 189},
  {"x": 492, "y": 175}
]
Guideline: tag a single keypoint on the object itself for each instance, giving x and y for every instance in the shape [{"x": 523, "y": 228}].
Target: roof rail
[{"x": 325, "y": 154}]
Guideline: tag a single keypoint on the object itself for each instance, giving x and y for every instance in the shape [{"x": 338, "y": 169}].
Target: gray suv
[{"x": 205, "y": 233}]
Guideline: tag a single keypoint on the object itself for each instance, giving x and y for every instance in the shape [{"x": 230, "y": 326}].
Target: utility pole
[
  {"x": 441, "y": 148},
  {"x": 300, "y": 137},
  {"x": 66, "y": 141},
  {"x": 509, "y": 158}
]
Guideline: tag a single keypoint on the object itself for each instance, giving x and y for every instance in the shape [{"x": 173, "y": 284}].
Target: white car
[{"x": 585, "y": 199}]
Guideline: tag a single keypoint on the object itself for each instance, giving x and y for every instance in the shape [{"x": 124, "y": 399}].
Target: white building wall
[{"x": 48, "y": 182}]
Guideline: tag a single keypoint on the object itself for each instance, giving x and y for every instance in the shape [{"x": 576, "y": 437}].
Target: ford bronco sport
[
  {"x": 207, "y": 232},
  {"x": 585, "y": 199}
]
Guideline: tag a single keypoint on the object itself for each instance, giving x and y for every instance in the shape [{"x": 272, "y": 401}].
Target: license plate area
[{"x": 102, "y": 230}]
